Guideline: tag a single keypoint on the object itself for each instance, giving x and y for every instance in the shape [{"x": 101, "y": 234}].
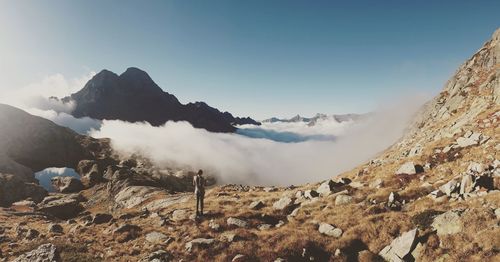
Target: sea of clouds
[{"x": 271, "y": 154}]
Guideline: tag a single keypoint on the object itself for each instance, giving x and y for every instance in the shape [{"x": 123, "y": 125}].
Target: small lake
[{"x": 45, "y": 176}]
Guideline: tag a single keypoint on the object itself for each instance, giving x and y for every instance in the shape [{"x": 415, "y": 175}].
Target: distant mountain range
[
  {"x": 134, "y": 97},
  {"x": 313, "y": 120}
]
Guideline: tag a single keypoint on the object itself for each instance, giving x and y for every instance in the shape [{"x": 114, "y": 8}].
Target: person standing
[{"x": 199, "y": 191}]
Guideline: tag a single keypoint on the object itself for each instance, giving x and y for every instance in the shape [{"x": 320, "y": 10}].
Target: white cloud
[
  {"x": 34, "y": 98},
  {"x": 233, "y": 158}
]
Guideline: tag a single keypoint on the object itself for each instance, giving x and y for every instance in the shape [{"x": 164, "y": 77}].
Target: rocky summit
[
  {"x": 134, "y": 97},
  {"x": 432, "y": 196}
]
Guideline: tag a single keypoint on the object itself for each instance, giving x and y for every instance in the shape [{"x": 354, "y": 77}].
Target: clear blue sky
[{"x": 257, "y": 58}]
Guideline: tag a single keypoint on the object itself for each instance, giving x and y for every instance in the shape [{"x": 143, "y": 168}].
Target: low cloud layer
[
  {"x": 35, "y": 99},
  {"x": 234, "y": 158}
]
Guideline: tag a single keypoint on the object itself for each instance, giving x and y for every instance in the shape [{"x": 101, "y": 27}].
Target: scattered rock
[
  {"x": 256, "y": 205},
  {"x": 61, "y": 206},
  {"x": 329, "y": 230},
  {"x": 55, "y": 228},
  {"x": 400, "y": 247},
  {"x": 44, "y": 253},
  {"x": 158, "y": 256},
  {"x": 343, "y": 200},
  {"x": 447, "y": 223},
  {"x": 377, "y": 183},
  {"x": 66, "y": 184},
  {"x": 101, "y": 218},
  {"x": 236, "y": 222},
  {"x": 265, "y": 227},
  {"x": 497, "y": 213},
  {"x": 199, "y": 243},
  {"x": 311, "y": 194},
  {"x": 180, "y": 214},
  {"x": 89, "y": 172},
  {"x": 213, "y": 225},
  {"x": 156, "y": 238},
  {"x": 328, "y": 187},
  {"x": 270, "y": 189},
  {"x": 239, "y": 258},
  {"x": 409, "y": 168},
  {"x": 450, "y": 187},
  {"x": 283, "y": 203}
]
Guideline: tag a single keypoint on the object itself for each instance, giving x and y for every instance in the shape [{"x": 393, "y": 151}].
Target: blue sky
[{"x": 257, "y": 58}]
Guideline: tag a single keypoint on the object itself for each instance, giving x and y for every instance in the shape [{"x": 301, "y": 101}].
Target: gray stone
[
  {"x": 283, "y": 203},
  {"x": 55, "y": 228},
  {"x": 101, "y": 218},
  {"x": 158, "y": 256},
  {"x": 399, "y": 247},
  {"x": 256, "y": 205},
  {"x": 156, "y": 237},
  {"x": 447, "y": 223},
  {"x": 311, "y": 194},
  {"x": 377, "y": 183},
  {"x": 66, "y": 184},
  {"x": 343, "y": 200},
  {"x": 199, "y": 243},
  {"x": 329, "y": 230},
  {"x": 236, "y": 222},
  {"x": 407, "y": 168},
  {"x": 61, "y": 206},
  {"x": 213, "y": 225},
  {"x": 180, "y": 214},
  {"x": 466, "y": 185},
  {"x": 44, "y": 253},
  {"x": 450, "y": 187}
]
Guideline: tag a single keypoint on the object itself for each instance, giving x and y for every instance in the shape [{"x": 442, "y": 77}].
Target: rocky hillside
[
  {"x": 433, "y": 196},
  {"x": 134, "y": 97}
]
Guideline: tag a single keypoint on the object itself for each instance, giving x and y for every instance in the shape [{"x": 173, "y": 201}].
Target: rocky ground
[{"x": 433, "y": 196}]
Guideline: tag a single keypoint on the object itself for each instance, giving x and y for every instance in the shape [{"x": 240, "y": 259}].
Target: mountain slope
[
  {"x": 433, "y": 196},
  {"x": 134, "y": 97}
]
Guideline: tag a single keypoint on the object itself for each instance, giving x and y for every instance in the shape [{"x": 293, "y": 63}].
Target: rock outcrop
[{"x": 134, "y": 97}]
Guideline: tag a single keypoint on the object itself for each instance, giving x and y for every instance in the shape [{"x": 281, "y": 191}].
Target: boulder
[
  {"x": 327, "y": 187},
  {"x": 66, "y": 184},
  {"x": 475, "y": 168},
  {"x": 44, "y": 253},
  {"x": 471, "y": 140},
  {"x": 101, "y": 218},
  {"x": 89, "y": 172},
  {"x": 467, "y": 184},
  {"x": 236, "y": 222},
  {"x": 256, "y": 205},
  {"x": 409, "y": 168},
  {"x": 180, "y": 214},
  {"x": 448, "y": 223},
  {"x": 158, "y": 256},
  {"x": 330, "y": 230},
  {"x": 214, "y": 225},
  {"x": 13, "y": 189},
  {"x": 55, "y": 228},
  {"x": 400, "y": 247},
  {"x": 343, "y": 200},
  {"x": 450, "y": 187},
  {"x": 283, "y": 203},
  {"x": 199, "y": 243},
  {"x": 61, "y": 206},
  {"x": 156, "y": 238},
  {"x": 311, "y": 194}
]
